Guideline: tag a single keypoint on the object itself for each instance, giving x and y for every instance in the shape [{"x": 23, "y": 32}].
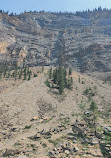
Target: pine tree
[
  {"x": 65, "y": 77},
  {"x": 61, "y": 81},
  {"x": 47, "y": 83},
  {"x": 79, "y": 79},
  {"x": 61, "y": 86},
  {"x": 5, "y": 72},
  {"x": 0, "y": 76},
  {"x": 55, "y": 76},
  {"x": 70, "y": 82},
  {"x": 25, "y": 75},
  {"x": 50, "y": 73},
  {"x": 93, "y": 109},
  {"x": 70, "y": 71},
  {"x": 29, "y": 76}
]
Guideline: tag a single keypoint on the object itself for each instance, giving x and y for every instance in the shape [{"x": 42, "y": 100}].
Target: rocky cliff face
[{"x": 81, "y": 40}]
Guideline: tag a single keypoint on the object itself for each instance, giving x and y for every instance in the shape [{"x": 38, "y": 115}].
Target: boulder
[
  {"x": 94, "y": 141},
  {"x": 84, "y": 140},
  {"x": 67, "y": 152},
  {"x": 34, "y": 118}
]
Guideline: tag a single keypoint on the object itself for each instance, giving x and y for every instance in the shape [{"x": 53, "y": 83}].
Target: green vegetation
[
  {"x": 56, "y": 141},
  {"x": 35, "y": 75},
  {"x": 105, "y": 144},
  {"x": 59, "y": 79},
  {"x": 33, "y": 146},
  {"x": 44, "y": 145},
  {"x": 17, "y": 73},
  {"x": 50, "y": 73},
  {"x": 70, "y": 71},
  {"x": 82, "y": 82},
  {"x": 17, "y": 144},
  {"x": 79, "y": 79},
  {"x": 27, "y": 127},
  {"x": 93, "y": 108},
  {"x": 65, "y": 120},
  {"x": 89, "y": 93},
  {"x": 47, "y": 83}
]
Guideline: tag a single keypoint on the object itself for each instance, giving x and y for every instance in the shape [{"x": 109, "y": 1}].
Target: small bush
[
  {"x": 83, "y": 82},
  {"x": 47, "y": 83},
  {"x": 44, "y": 145},
  {"x": 27, "y": 127},
  {"x": 35, "y": 75}
]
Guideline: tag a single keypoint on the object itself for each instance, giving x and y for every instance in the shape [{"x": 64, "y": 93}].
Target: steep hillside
[
  {"x": 80, "y": 40},
  {"x": 37, "y": 122}
]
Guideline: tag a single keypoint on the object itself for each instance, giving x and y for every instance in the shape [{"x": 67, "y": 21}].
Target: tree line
[{"x": 17, "y": 73}]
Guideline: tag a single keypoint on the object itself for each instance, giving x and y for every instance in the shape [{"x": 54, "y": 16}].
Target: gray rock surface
[
  {"x": 21, "y": 156},
  {"x": 81, "y": 40}
]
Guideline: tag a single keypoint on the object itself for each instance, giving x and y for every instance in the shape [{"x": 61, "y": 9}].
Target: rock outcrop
[{"x": 80, "y": 40}]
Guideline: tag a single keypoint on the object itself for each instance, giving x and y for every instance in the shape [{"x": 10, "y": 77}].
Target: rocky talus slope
[
  {"x": 37, "y": 122},
  {"x": 81, "y": 40}
]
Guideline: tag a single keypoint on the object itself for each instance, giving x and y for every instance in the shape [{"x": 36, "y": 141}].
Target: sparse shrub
[
  {"x": 33, "y": 145},
  {"x": 70, "y": 71},
  {"x": 17, "y": 144},
  {"x": 86, "y": 92},
  {"x": 47, "y": 83},
  {"x": 27, "y": 127},
  {"x": 79, "y": 79},
  {"x": 35, "y": 75},
  {"x": 83, "y": 82},
  {"x": 44, "y": 145}
]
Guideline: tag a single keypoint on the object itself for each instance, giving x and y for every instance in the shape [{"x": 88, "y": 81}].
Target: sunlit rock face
[{"x": 81, "y": 41}]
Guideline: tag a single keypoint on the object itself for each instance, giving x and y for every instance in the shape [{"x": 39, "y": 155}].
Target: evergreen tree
[
  {"x": 29, "y": 76},
  {"x": 55, "y": 76},
  {"x": 59, "y": 77},
  {"x": 70, "y": 82},
  {"x": 25, "y": 75},
  {"x": 79, "y": 79},
  {"x": 47, "y": 83},
  {"x": 93, "y": 109},
  {"x": 50, "y": 73},
  {"x": 65, "y": 78},
  {"x": 0, "y": 76},
  {"x": 61, "y": 81},
  {"x": 5, "y": 72},
  {"x": 70, "y": 71},
  {"x": 61, "y": 86}
]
